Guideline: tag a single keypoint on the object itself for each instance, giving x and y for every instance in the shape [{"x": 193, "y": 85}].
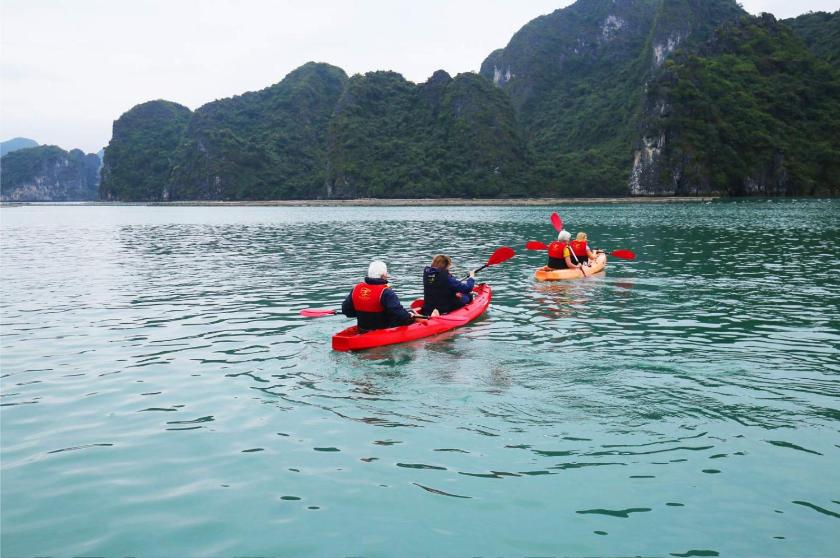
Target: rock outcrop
[
  {"x": 578, "y": 78},
  {"x": 48, "y": 173},
  {"x": 750, "y": 112}
]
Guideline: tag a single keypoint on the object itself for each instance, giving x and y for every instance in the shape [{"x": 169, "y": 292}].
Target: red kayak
[{"x": 351, "y": 340}]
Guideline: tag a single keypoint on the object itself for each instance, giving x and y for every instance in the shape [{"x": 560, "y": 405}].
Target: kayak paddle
[
  {"x": 502, "y": 254},
  {"x": 623, "y": 254},
  {"x": 557, "y": 222},
  {"x": 324, "y": 312},
  {"x": 317, "y": 313},
  {"x": 620, "y": 254}
]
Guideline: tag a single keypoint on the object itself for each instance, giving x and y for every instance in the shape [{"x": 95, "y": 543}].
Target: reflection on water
[
  {"x": 564, "y": 299},
  {"x": 156, "y": 374}
]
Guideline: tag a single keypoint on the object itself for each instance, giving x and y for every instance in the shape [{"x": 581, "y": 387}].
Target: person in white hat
[
  {"x": 560, "y": 253},
  {"x": 374, "y": 303}
]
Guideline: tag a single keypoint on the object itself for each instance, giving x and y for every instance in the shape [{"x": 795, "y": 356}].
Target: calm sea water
[{"x": 161, "y": 396}]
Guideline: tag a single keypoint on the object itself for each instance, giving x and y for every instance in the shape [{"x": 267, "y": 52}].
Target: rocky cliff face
[
  {"x": 750, "y": 112},
  {"x": 550, "y": 56},
  {"x": 48, "y": 173},
  {"x": 578, "y": 80}
]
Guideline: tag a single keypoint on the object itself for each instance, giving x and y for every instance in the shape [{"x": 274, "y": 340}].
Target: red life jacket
[
  {"x": 368, "y": 298},
  {"x": 555, "y": 250},
  {"x": 580, "y": 248},
  {"x": 556, "y": 257}
]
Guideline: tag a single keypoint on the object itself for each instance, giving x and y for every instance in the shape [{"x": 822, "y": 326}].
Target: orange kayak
[
  {"x": 548, "y": 274},
  {"x": 351, "y": 340}
]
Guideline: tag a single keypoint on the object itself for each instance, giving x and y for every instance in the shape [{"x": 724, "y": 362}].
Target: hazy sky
[{"x": 69, "y": 68}]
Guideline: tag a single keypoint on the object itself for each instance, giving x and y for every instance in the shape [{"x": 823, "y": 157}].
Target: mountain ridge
[
  {"x": 576, "y": 103},
  {"x": 14, "y": 144}
]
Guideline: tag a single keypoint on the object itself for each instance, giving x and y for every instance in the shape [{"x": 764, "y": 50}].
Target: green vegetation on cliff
[
  {"x": 753, "y": 113},
  {"x": 138, "y": 160},
  {"x": 270, "y": 144},
  {"x": 48, "y": 173},
  {"x": 446, "y": 137},
  {"x": 317, "y": 134},
  {"x": 577, "y": 78},
  {"x": 821, "y": 32}
]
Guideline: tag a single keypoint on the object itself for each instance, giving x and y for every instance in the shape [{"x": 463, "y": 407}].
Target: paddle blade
[
  {"x": 534, "y": 245},
  {"x": 317, "y": 312},
  {"x": 557, "y": 222},
  {"x": 623, "y": 254},
  {"x": 503, "y": 254}
]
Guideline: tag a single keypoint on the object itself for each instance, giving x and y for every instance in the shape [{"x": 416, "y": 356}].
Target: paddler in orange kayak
[
  {"x": 581, "y": 249},
  {"x": 560, "y": 253},
  {"x": 443, "y": 293},
  {"x": 374, "y": 303}
]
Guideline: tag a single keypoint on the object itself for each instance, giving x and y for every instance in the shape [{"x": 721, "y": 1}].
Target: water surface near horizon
[{"x": 162, "y": 397}]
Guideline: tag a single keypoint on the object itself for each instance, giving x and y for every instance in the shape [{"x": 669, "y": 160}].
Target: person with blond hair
[
  {"x": 374, "y": 303},
  {"x": 581, "y": 250},
  {"x": 442, "y": 292}
]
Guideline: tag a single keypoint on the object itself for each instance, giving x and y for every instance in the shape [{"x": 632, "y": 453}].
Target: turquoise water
[{"x": 161, "y": 396}]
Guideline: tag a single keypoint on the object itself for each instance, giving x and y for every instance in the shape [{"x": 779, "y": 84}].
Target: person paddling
[
  {"x": 581, "y": 249},
  {"x": 560, "y": 253},
  {"x": 442, "y": 292},
  {"x": 374, "y": 304}
]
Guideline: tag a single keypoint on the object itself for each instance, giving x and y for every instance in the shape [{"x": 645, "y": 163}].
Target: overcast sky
[{"x": 68, "y": 69}]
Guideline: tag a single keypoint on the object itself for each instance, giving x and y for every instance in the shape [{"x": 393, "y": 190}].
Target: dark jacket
[
  {"x": 440, "y": 289},
  {"x": 394, "y": 314}
]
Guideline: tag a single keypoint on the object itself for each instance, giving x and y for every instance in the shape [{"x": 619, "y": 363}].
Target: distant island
[
  {"x": 46, "y": 173},
  {"x": 16, "y": 144},
  {"x": 641, "y": 98}
]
